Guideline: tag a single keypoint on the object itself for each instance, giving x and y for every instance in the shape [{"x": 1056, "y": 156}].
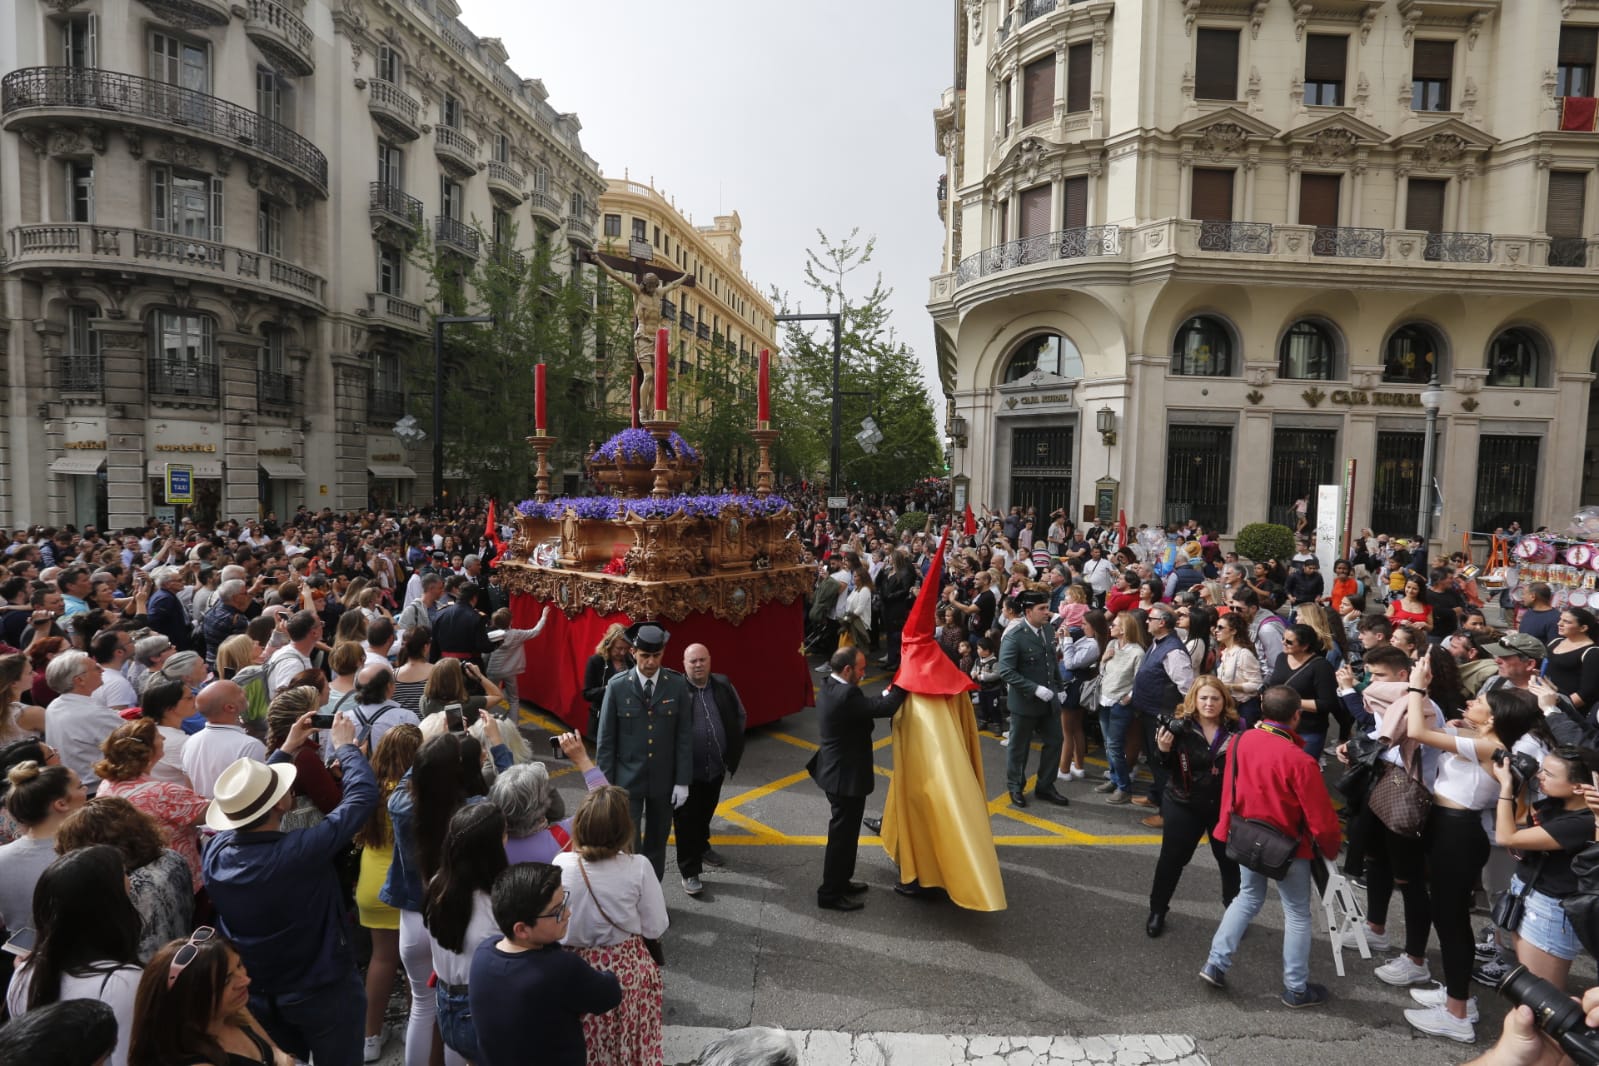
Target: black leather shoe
[
  {"x": 1018, "y": 800},
  {"x": 843, "y": 903},
  {"x": 909, "y": 888},
  {"x": 875, "y": 825},
  {"x": 1052, "y": 797},
  {"x": 1156, "y": 924},
  {"x": 855, "y": 888}
]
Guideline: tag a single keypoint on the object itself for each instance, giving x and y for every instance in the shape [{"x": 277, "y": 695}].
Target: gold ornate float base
[{"x": 729, "y": 596}]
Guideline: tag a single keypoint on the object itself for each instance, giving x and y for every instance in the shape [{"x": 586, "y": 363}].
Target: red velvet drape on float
[
  {"x": 761, "y": 656},
  {"x": 936, "y": 823}
]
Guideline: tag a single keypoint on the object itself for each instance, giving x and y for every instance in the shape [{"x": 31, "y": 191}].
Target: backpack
[{"x": 365, "y": 722}]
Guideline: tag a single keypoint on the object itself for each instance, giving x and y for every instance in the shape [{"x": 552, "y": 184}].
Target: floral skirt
[{"x": 629, "y": 1035}]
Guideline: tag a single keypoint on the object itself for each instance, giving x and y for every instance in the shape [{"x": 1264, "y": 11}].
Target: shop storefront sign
[
  {"x": 387, "y": 457},
  {"x": 205, "y": 449},
  {"x": 276, "y": 453},
  {"x": 1365, "y": 398},
  {"x": 84, "y": 445}
]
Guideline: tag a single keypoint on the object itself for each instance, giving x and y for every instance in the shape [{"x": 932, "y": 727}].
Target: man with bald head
[
  {"x": 223, "y": 741},
  {"x": 719, "y": 719}
]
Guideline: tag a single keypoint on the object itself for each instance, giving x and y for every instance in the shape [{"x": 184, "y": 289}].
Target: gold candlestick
[
  {"x": 765, "y": 437},
  {"x": 660, "y": 428},
  {"x": 541, "y": 479}
]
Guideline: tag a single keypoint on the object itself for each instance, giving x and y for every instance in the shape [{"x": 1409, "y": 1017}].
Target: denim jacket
[
  {"x": 402, "y": 889},
  {"x": 277, "y": 894}
]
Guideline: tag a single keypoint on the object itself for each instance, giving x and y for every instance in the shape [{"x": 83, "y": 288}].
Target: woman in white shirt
[
  {"x": 86, "y": 940},
  {"x": 857, "y": 618},
  {"x": 1123, "y": 656},
  {"x": 1464, "y": 794},
  {"x": 616, "y": 905},
  {"x": 457, "y": 910},
  {"x": 1238, "y": 667}
]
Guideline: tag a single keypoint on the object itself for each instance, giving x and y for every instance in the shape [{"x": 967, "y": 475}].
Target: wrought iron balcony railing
[
  {"x": 80, "y": 373},
  {"x": 54, "y": 88},
  {"x": 1568, "y": 251},
  {"x": 1078, "y": 243},
  {"x": 1459, "y": 247},
  {"x": 385, "y": 403},
  {"x": 1235, "y": 237},
  {"x": 183, "y": 378},
  {"x": 456, "y": 235},
  {"x": 397, "y": 204},
  {"x": 276, "y": 388},
  {"x": 1349, "y": 242}
]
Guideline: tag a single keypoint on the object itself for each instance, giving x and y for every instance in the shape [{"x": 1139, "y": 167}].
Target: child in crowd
[{"x": 509, "y": 659}]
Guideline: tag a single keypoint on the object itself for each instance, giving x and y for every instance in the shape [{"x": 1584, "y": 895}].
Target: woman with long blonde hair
[
  {"x": 612, "y": 656},
  {"x": 1193, "y": 750}
]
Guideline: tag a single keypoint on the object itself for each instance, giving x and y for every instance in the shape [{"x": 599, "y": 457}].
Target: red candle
[
  {"x": 538, "y": 398},
  {"x": 662, "y": 349},
  {"x": 763, "y": 389}
]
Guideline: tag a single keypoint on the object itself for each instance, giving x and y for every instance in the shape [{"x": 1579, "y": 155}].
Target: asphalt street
[{"x": 1069, "y": 957}]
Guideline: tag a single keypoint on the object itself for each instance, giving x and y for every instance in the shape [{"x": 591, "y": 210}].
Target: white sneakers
[
  {"x": 374, "y": 1046},
  {"x": 1377, "y": 941},
  {"x": 1400, "y": 971},
  {"x": 1435, "y": 996},
  {"x": 1436, "y": 1021}
]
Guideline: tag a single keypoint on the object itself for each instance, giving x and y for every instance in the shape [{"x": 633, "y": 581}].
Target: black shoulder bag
[{"x": 1252, "y": 842}]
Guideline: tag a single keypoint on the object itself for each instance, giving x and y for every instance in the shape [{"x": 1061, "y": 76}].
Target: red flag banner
[
  {"x": 969, "y": 528},
  {"x": 1121, "y": 529},
  {"x": 491, "y": 530},
  {"x": 1578, "y": 113}
]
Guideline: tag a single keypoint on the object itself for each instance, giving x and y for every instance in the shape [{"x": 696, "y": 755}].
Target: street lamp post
[
  {"x": 439, "y": 322},
  {"x": 1432, "y": 398},
  {"x": 834, "y": 472}
]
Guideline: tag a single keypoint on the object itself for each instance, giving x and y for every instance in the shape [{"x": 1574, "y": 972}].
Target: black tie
[{"x": 649, "y": 691}]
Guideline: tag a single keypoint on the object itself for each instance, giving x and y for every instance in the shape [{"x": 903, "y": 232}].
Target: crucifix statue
[{"x": 648, "y": 292}]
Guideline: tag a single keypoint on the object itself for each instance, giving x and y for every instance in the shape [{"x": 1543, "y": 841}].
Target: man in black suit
[{"x": 843, "y": 767}]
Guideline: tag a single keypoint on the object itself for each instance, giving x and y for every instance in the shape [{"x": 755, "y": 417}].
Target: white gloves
[
  {"x": 679, "y": 796},
  {"x": 1045, "y": 693}
]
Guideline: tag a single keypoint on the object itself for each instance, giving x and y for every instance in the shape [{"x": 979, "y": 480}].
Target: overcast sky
[{"x": 807, "y": 116}]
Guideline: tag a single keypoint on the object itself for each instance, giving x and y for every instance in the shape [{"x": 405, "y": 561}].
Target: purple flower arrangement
[
  {"x": 636, "y": 445},
  {"x": 612, "y": 508}
]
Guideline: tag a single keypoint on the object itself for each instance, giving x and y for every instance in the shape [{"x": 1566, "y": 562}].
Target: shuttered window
[
  {"x": 1038, "y": 91},
  {"x": 1212, "y": 195},
  {"x": 1326, "y": 59},
  {"x": 1076, "y": 207},
  {"x": 1432, "y": 67},
  {"x": 1567, "y": 193},
  {"x": 1424, "y": 204},
  {"x": 1035, "y": 212},
  {"x": 1578, "y": 48},
  {"x": 1216, "y": 65},
  {"x": 1318, "y": 199},
  {"x": 1079, "y": 77}
]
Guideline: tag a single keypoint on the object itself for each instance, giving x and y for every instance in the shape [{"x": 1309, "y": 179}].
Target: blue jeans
[
  {"x": 455, "y": 1023},
  {"x": 324, "y": 1023},
  {"x": 1294, "y": 891},
  {"x": 1114, "y": 720},
  {"x": 1314, "y": 743}
]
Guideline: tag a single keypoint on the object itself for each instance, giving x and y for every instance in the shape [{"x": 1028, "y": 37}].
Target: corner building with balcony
[
  {"x": 207, "y": 209},
  {"x": 1242, "y": 235}
]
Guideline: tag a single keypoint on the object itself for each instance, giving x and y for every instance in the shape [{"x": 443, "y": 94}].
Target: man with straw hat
[{"x": 278, "y": 899}]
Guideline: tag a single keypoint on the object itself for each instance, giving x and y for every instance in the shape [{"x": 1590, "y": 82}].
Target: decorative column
[
  {"x": 52, "y": 347},
  {"x": 123, "y": 347},
  {"x": 1295, "y": 162},
  {"x": 1401, "y": 191},
  {"x": 1357, "y": 182},
  {"x": 1463, "y": 198},
  {"x": 1185, "y": 183},
  {"x": 240, "y": 388},
  {"x": 1251, "y": 164}
]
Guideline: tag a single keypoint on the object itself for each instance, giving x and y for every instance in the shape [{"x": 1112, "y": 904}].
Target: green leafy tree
[
  {"x": 540, "y": 316},
  {"x": 878, "y": 377}
]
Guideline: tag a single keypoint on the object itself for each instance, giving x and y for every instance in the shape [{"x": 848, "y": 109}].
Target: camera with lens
[
  {"x": 1558, "y": 1015},
  {"x": 1177, "y": 727},
  {"x": 1523, "y": 767}
]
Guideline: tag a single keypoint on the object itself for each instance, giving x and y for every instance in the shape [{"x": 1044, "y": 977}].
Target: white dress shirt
[
  {"x": 214, "y": 749},
  {"x": 76, "y": 726},
  {"x": 285, "y": 663}
]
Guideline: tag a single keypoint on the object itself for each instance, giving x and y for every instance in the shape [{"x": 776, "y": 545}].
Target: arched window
[
  {"x": 1516, "y": 360},
  {"x": 1051, "y": 353},
  {"x": 1307, "y": 352},
  {"x": 1412, "y": 355},
  {"x": 1204, "y": 348}
]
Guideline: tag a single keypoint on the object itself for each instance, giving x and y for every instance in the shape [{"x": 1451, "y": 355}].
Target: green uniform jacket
[
  {"x": 1026, "y": 661},
  {"x": 647, "y": 749}
]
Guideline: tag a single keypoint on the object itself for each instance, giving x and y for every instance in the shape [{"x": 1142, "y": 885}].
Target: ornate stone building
[
  {"x": 206, "y": 208},
  {"x": 1202, "y": 252}
]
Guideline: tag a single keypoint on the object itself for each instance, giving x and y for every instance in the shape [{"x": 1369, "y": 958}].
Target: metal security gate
[
  {"x": 1507, "y": 481},
  {"x": 1041, "y": 469},
  {"x": 1301, "y": 459},
  {"x": 1396, "y": 483},
  {"x": 1199, "y": 462}
]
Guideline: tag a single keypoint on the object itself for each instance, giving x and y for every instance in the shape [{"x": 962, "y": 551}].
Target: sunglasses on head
[{"x": 188, "y": 953}]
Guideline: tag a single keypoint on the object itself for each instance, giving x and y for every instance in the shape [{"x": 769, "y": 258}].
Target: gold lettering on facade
[
  {"x": 1366, "y": 397},
  {"x": 84, "y": 445},
  {"x": 206, "y": 449}
]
